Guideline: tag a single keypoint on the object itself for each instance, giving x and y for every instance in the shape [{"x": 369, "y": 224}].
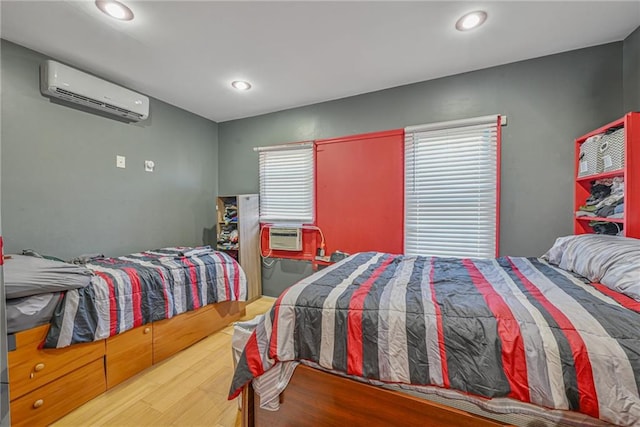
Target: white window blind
[
  {"x": 451, "y": 178},
  {"x": 286, "y": 183}
]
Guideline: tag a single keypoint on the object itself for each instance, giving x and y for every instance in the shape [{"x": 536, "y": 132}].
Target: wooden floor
[{"x": 188, "y": 389}]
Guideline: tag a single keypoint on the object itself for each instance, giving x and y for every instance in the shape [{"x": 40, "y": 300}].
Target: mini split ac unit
[
  {"x": 285, "y": 239},
  {"x": 66, "y": 83}
]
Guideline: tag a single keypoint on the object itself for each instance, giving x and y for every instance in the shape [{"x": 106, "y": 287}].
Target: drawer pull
[
  {"x": 147, "y": 330},
  {"x": 38, "y": 403},
  {"x": 39, "y": 367}
]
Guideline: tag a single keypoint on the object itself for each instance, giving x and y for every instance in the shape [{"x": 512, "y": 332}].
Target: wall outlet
[{"x": 120, "y": 162}]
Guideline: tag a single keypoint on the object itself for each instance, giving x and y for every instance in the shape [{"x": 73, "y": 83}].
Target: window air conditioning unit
[
  {"x": 285, "y": 239},
  {"x": 66, "y": 83}
]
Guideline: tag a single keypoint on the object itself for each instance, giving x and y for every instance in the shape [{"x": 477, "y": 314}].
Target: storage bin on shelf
[
  {"x": 611, "y": 151},
  {"x": 589, "y": 157}
]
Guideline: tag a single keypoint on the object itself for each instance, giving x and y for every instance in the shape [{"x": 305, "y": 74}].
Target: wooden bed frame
[
  {"x": 46, "y": 384},
  {"x": 317, "y": 398}
]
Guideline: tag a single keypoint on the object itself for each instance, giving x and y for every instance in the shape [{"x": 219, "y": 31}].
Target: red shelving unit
[
  {"x": 604, "y": 175},
  {"x": 630, "y": 173},
  {"x": 589, "y": 219}
]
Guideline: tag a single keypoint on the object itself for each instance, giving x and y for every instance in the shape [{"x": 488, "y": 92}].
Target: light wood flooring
[{"x": 188, "y": 389}]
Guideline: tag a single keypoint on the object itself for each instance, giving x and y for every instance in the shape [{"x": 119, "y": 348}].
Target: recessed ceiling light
[
  {"x": 471, "y": 20},
  {"x": 115, "y": 9},
  {"x": 241, "y": 85}
]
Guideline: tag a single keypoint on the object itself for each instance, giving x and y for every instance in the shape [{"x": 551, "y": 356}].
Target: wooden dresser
[{"x": 46, "y": 384}]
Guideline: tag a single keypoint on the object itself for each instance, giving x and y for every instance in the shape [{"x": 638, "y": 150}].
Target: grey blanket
[
  {"x": 29, "y": 312},
  {"x": 28, "y": 275}
]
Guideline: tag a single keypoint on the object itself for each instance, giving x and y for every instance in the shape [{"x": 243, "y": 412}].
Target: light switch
[
  {"x": 120, "y": 162},
  {"x": 149, "y": 165}
]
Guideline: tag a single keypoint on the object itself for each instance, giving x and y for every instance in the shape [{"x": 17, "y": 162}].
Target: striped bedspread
[
  {"x": 506, "y": 327},
  {"x": 130, "y": 291}
]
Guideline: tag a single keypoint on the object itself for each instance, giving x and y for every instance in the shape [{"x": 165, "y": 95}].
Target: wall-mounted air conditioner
[
  {"x": 66, "y": 83},
  {"x": 285, "y": 238}
]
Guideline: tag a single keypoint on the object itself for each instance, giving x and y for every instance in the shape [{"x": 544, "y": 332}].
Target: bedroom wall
[
  {"x": 61, "y": 191},
  {"x": 631, "y": 71},
  {"x": 549, "y": 101}
]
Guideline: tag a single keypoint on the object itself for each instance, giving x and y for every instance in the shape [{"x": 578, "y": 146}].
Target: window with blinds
[
  {"x": 286, "y": 183},
  {"x": 451, "y": 188}
]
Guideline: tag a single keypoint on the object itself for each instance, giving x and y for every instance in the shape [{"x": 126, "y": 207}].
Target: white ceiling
[{"x": 300, "y": 53}]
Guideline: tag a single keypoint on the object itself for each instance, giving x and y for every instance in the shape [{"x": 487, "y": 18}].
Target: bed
[
  {"x": 378, "y": 338},
  {"x": 102, "y": 322}
]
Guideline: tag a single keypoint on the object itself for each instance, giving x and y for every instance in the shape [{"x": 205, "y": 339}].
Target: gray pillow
[
  {"x": 28, "y": 275},
  {"x": 613, "y": 261}
]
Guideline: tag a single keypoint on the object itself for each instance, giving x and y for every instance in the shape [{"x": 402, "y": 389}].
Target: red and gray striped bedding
[
  {"x": 130, "y": 291},
  {"x": 506, "y": 327}
]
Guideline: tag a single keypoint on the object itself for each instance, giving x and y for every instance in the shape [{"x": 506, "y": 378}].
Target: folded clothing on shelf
[
  {"x": 230, "y": 213},
  {"x": 604, "y": 227},
  {"x": 605, "y": 197},
  {"x": 598, "y": 192},
  {"x": 228, "y": 238}
]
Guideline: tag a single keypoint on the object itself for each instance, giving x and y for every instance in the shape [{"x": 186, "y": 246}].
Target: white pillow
[{"x": 613, "y": 261}]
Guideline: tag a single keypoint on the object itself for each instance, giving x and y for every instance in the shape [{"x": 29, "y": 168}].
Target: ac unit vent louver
[
  {"x": 285, "y": 239},
  {"x": 84, "y": 99}
]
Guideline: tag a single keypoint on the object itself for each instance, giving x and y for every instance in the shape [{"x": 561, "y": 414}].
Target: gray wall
[
  {"x": 61, "y": 192},
  {"x": 549, "y": 101},
  {"x": 631, "y": 71},
  {"x": 279, "y": 274}
]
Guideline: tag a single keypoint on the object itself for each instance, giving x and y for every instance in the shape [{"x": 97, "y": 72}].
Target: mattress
[{"x": 29, "y": 312}]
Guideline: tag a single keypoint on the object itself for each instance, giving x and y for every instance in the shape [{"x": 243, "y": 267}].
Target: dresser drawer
[
  {"x": 173, "y": 335},
  {"x": 30, "y": 367},
  {"x": 56, "y": 399},
  {"x": 128, "y": 353}
]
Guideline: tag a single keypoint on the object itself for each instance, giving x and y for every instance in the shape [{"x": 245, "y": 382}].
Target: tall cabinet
[
  {"x": 618, "y": 159},
  {"x": 238, "y": 231}
]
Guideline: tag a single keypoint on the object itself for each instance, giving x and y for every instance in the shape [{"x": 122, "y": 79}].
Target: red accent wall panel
[{"x": 359, "y": 192}]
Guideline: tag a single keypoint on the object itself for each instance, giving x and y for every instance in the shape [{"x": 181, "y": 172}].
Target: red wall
[{"x": 359, "y": 192}]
